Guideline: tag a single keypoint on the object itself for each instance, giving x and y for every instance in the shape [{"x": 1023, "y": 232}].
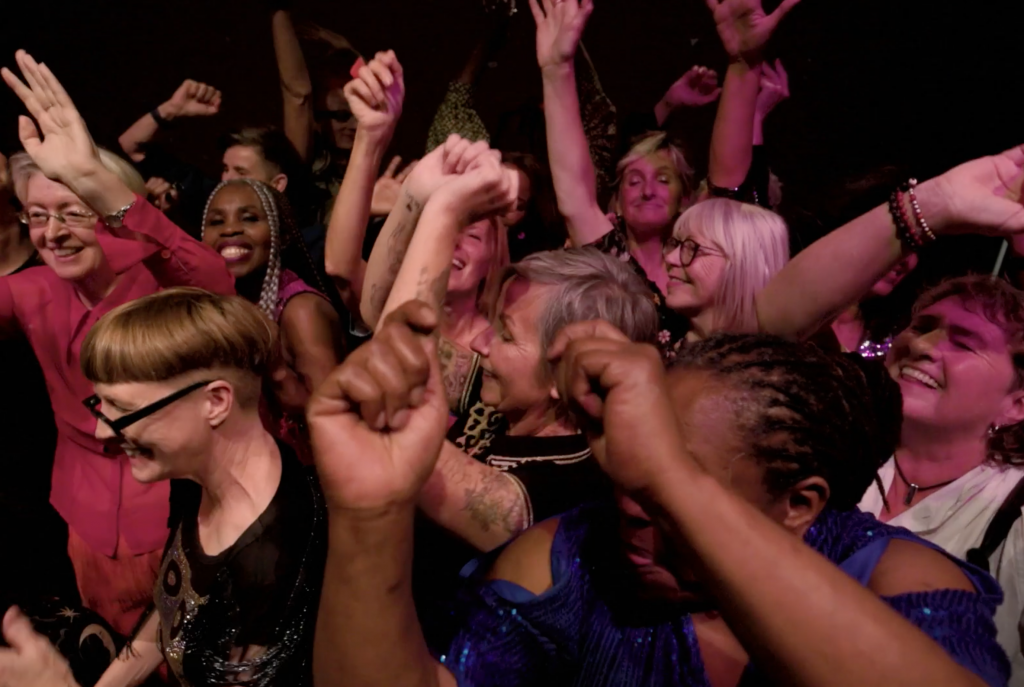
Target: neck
[
  {"x": 15, "y": 246},
  {"x": 244, "y": 471},
  {"x": 702, "y": 325},
  {"x": 647, "y": 251},
  {"x": 462, "y": 320},
  {"x": 96, "y": 285},
  {"x": 929, "y": 457},
  {"x": 539, "y": 423},
  {"x": 849, "y": 328}
]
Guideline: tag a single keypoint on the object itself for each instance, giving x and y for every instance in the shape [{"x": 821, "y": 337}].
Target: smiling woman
[
  {"x": 249, "y": 224},
  {"x": 102, "y": 245},
  {"x": 960, "y": 368},
  {"x": 178, "y": 380}
]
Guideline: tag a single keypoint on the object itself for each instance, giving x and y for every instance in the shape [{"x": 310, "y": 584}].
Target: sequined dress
[
  {"x": 583, "y": 631},
  {"x": 245, "y": 616}
]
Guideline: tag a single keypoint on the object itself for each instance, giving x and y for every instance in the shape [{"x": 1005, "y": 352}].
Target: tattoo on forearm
[
  {"x": 398, "y": 245},
  {"x": 495, "y": 502}
]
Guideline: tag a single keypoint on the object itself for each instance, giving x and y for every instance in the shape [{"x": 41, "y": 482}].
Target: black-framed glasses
[
  {"x": 93, "y": 404},
  {"x": 37, "y": 219},
  {"x": 690, "y": 250}
]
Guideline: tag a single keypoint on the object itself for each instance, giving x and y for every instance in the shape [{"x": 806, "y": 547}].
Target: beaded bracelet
[
  {"x": 918, "y": 215},
  {"x": 904, "y": 229}
]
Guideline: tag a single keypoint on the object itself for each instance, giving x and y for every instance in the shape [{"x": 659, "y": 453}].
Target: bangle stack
[{"x": 914, "y": 232}]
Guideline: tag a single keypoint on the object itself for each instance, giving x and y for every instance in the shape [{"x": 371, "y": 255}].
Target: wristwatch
[{"x": 116, "y": 219}]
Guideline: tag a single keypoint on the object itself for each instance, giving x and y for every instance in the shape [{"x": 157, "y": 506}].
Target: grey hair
[
  {"x": 23, "y": 167},
  {"x": 272, "y": 280},
  {"x": 589, "y": 285}
]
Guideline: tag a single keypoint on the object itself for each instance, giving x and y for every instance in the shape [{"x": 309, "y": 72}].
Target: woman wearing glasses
[
  {"x": 102, "y": 246},
  {"x": 178, "y": 377}
]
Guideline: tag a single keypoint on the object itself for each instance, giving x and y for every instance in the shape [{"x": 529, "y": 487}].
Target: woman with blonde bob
[
  {"x": 177, "y": 377},
  {"x": 721, "y": 254}
]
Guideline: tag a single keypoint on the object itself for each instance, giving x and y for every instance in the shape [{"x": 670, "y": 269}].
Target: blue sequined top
[{"x": 583, "y": 631}]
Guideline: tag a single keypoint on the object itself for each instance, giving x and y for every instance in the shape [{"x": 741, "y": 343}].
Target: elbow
[
  {"x": 131, "y": 149},
  {"x": 299, "y": 95}
]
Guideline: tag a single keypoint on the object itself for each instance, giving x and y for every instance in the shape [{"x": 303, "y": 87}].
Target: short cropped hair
[
  {"x": 756, "y": 242},
  {"x": 271, "y": 143},
  {"x": 178, "y": 331},
  {"x": 23, "y": 167},
  {"x": 1002, "y": 305},
  {"x": 589, "y": 285},
  {"x": 652, "y": 143}
]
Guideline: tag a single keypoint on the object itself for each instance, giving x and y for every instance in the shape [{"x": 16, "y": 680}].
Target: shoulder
[
  {"x": 306, "y": 310},
  {"x": 527, "y": 560},
  {"x": 908, "y": 566}
]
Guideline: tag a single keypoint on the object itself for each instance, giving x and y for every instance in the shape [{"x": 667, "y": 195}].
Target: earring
[{"x": 993, "y": 428}]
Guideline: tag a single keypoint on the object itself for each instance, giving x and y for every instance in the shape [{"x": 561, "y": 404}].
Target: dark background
[{"x": 912, "y": 84}]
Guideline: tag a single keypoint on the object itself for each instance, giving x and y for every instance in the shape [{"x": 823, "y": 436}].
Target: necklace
[{"x": 912, "y": 488}]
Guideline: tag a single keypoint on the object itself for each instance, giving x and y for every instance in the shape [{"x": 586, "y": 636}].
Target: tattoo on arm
[
  {"x": 398, "y": 245},
  {"x": 495, "y": 503}
]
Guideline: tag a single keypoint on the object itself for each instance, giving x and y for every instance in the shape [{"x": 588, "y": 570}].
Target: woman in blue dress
[{"x": 735, "y": 555}]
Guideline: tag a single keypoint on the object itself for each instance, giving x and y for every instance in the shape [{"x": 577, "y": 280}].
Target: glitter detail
[
  {"x": 870, "y": 349},
  {"x": 177, "y": 603}
]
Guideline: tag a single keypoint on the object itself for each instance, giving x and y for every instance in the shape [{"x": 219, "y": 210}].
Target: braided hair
[
  {"x": 804, "y": 413},
  {"x": 287, "y": 249}
]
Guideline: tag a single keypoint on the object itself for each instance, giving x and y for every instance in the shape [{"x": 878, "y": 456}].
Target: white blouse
[{"x": 955, "y": 517}]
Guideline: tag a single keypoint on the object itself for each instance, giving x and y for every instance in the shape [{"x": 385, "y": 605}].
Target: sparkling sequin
[{"x": 870, "y": 349}]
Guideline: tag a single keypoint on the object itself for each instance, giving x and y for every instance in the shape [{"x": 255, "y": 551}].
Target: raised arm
[
  {"x": 744, "y": 29},
  {"x": 374, "y": 450},
  {"x": 296, "y": 86},
  {"x": 376, "y": 99},
  {"x": 981, "y": 196},
  {"x": 559, "y": 29},
  {"x": 192, "y": 99},
  {"x": 478, "y": 187},
  {"x": 695, "y": 88},
  {"x": 393, "y": 242},
  {"x": 797, "y": 616},
  {"x": 63, "y": 149}
]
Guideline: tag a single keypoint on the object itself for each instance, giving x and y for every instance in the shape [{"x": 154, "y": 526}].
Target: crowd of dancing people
[{"x": 541, "y": 407}]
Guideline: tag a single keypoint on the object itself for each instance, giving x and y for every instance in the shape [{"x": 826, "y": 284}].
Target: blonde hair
[
  {"x": 179, "y": 331},
  {"x": 756, "y": 242},
  {"x": 491, "y": 285},
  {"x": 23, "y": 167},
  {"x": 655, "y": 142}
]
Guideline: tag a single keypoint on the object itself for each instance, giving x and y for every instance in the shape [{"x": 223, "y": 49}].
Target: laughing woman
[
  {"x": 250, "y": 225},
  {"x": 102, "y": 245}
]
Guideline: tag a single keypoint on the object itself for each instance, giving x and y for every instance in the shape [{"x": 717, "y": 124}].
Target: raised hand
[
  {"x": 982, "y": 196},
  {"x": 61, "y": 145},
  {"x": 618, "y": 388},
  {"x": 698, "y": 86},
  {"x": 774, "y": 88},
  {"x": 161, "y": 193},
  {"x": 31, "y": 661},
  {"x": 744, "y": 27},
  {"x": 192, "y": 99},
  {"x": 479, "y": 186},
  {"x": 378, "y": 421},
  {"x": 560, "y": 25},
  {"x": 376, "y": 96},
  {"x": 388, "y": 188}
]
